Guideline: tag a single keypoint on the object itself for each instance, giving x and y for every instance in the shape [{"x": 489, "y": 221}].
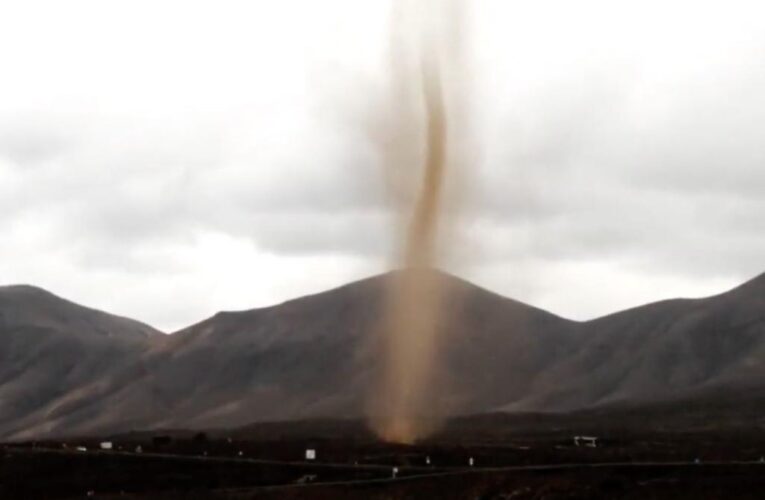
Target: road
[{"x": 406, "y": 473}]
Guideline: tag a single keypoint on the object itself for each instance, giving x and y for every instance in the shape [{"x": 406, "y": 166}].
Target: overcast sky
[{"x": 165, "y": 160}]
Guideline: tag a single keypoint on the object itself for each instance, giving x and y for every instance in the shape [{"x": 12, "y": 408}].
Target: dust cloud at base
[{"x": 403, "y": 405}]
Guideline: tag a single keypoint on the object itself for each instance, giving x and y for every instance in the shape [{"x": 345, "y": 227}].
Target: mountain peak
[
  {"x": 758, "y": 280},
  {"x": 29, "y": 305},
  {"x": 23, "y": 295},
  {"x": 754, "y": 285},
  {"x": 23, "y": 288}
]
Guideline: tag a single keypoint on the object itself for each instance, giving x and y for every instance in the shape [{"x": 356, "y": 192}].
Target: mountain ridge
[
  {"x": 757, "y": 281},
  {"x": 315, "y": 356},
  {"x": 18, "y": 296}
]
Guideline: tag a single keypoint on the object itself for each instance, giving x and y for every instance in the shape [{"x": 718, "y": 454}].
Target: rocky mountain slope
[
  {"x": 52, "y": 349},
  {"x": 65, "y": 369}
]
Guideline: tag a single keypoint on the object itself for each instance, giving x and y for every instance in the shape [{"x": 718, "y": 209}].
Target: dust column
[{"x": 407, "y": 406}]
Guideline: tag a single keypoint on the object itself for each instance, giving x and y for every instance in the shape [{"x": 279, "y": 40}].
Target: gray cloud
[{"x": 609, "y": 166}]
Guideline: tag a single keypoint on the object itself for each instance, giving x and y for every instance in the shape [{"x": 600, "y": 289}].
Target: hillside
[
  {"x": 317, "y": 356},
  {"x": 51, "y": 349}
]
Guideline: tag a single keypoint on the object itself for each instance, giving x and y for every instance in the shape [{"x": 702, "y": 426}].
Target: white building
[{"x": 588, "y": 441}]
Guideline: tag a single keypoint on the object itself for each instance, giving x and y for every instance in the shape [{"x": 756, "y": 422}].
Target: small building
[
  {"x": 107, "y": 445},
  {"x": 310, "y": 454},
  {"x": 588, "y": 441}
]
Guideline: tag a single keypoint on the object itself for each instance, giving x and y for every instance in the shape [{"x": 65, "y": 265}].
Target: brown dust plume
[{"x": 405, "y": 409}]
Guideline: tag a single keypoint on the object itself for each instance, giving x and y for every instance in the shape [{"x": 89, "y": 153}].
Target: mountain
[
  {"x": 51, "y": 348},
  {"x": 661, "y": 351},
  {"x": 317, "y": 356},
  {"x": 311, "y": 357}
]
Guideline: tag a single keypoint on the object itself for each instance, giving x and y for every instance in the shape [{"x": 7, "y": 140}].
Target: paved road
[
  {"x": 406, "y": 473},
  {"x": 241, "y": 460},
  {"x": 450, "y": 469}
]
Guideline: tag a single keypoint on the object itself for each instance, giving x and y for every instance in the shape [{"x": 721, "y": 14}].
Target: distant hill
[
  {"x": 52, "y": 349},
  {"x": 68, "y": 370},
  {"x": 661, "y": 351}
]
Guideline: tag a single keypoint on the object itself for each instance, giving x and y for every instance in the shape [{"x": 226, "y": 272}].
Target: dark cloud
[{"x": 594, "y": 162}]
